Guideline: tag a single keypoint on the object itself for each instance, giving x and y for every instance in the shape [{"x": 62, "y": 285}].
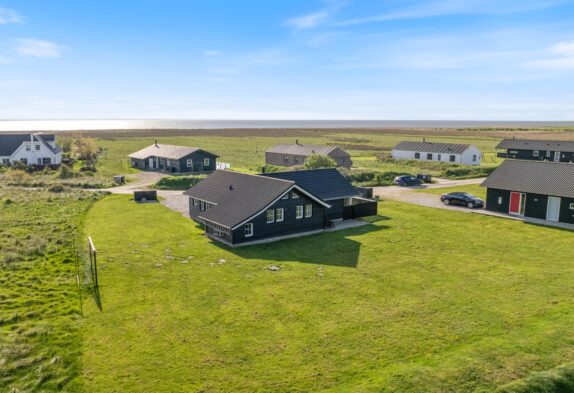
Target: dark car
[
  {"x": 407, "y": 181},
  {"x": 462, "y": 199}
]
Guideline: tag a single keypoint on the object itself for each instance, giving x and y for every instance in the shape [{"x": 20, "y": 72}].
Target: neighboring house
[
  {"x": 239, "y": 209},
  {"x": 538, "y": 189},
  {"x": 170, "y": 158},
  {"x": 524, "y": 149},
  {"x": 329, "y": 185},
  {"x": 30, "y": 149},
  {"x": 296, "y": 154},
  {"x": 441, "y": 152}
]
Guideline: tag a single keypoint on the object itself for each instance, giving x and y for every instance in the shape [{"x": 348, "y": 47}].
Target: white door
[
  {"x": 556, "y": 156},
  {"x": 553, "y": 210},
  {"x": 151, "y": 163}
]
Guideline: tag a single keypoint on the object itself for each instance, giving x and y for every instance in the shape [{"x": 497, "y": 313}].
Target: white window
[
  {"x": 548, "y": 153},
  {"x": 299, "y": 211},
  {"x": 24, "y": 161},
  {"x": 572, "y": 206},
  {"x": 248, "y": 230},
  {"x": 279, "y": 214},
  {"x": 189, "y": 163},
  {"x": 28, "y": 148},
  {"x": 206, "y": 162},
  {"x": 46, "y": 161},
  {"x": 195, "y": 202},
  {"x": 286, "y": 158},
  {"x": 452, "y": 158},
  {"x": 500, "y": 200},
  {"x": 308, "y": 210},
  {"x": 440, "y": 157},
  {"x": 535, "y": 153},
  {"x": 37, "y": 147},
  {"x": 294, "y": 195},
  {"x": 270, "y": 216},
  {"x": 286, "y": 196},
  {"x": 429, "y": 156},
  {"x": 417, "y": 156}
]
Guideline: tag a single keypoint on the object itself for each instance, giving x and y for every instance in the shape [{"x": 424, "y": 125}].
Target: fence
[{"x": 87, "y": 278}]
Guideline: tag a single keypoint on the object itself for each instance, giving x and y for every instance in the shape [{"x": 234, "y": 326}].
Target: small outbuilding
[
  {"x": 296, "y": 154},
  {"x": 172, "y": 159},
  {"x": 537, "y": 189},
  {"x": 540, "y": 150},
  {"x": 453, "y": 153}
]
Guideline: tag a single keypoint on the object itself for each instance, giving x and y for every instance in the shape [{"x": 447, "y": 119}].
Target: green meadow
[{"x": 418, "y": 300}]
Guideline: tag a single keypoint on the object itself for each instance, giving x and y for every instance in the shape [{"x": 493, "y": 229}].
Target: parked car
[
  {"x": 406, "y": 180},
  {"x": 462, "y": 199}
]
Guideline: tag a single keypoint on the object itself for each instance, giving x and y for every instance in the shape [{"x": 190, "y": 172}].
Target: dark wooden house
[
  {"x": 296, "y": 154},
  {"x": 540, "y": 150},
  {"x": 172, "y": 159},
  {"x": 238, "y": 208},
  {"x": 538, "y": 189},
  {"x": 332, "y": 187}
]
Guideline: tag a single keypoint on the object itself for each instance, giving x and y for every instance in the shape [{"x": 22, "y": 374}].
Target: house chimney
[
  {"x": 156, "y": 143},
  {"x": 296, "y": 141},
  {"x": 263, "y": 169},
  {"x": 424, "y": 139}
]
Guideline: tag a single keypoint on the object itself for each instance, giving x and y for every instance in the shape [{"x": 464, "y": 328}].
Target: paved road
[{"x": 410, "y": 194}]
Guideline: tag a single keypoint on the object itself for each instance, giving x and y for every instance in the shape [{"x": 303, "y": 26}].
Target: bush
[
  {"x": 56, "y": 188},
  {"x": 16, "y": 177},
  {"x": 464, "y": 172},
  {"x": 315, "y": 161},
  {"x": 178, "y": 182},
  {"x": 65, "y": 172},
  {"x": 373, "y": 178}
]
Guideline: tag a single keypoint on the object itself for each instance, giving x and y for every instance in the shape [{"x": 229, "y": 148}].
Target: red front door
[{"x": 515, "y": 203}]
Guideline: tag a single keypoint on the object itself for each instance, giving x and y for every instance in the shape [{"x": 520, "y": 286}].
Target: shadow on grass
[{"x": 334, "y": 248}]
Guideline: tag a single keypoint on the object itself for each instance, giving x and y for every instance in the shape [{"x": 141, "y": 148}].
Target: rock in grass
[
  {"x": 158, "y": 265},
  {"x": 274, "y": 268},
  {"x": 222, "y": 261}
]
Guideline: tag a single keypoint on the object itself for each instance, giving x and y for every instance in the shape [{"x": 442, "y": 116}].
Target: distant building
[
  {"x": 30, "y": 149},
  {"x": 172, "y": 159},
  {"x": 238, "y": 208},
  {"x": 526, "y": 149},
  {"x": 296, "y": 154},
  {"x": 441, "y": 152},
  {"x": 538, "y": 189}
]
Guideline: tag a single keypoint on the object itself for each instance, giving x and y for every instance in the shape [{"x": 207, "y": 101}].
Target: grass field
[
  {"x": 474, "y": 189},
  {"x": 40, "y": 339},
  {"x": 409, "y": 303}
]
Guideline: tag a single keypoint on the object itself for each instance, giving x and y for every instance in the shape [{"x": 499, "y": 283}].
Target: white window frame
[
  {"x": 294, "y": 195},
  {"x": 308, "y": 210},
  {"x": 452, "y": 158},
  {"x": 474, "y": 158},
  {"x": 417, "y": 155},
  {"x": 299, "y": 211},
  {"x": 248, "y": 228},
  {"x": 190, "y": 163},
  {"x": 535, "y": 153},
  {"x": 195, "y": 202},
  {"x": 270, "y": 216},
  {"x": 280, "y": 214},
  {"x": 500, "y": 200},
  {"x": 572, "y": 206},
  {"x": 286, "y": 196},
  {"x": 24, "y": 161},
  {"x": 5, "y": 161},
  {"x": 37, "y": 147},
  {"x": 429, "y": 156},
  {"x": 439, "y": 157},
  {"x": 28, "y": 147},
  {"x": 206, "y": 162}
]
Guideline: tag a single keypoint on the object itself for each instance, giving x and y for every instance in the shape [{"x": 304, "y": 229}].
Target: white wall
[
  {"x": 469, "y": 154},
  {"x": 465, "y": 158},
  {"x": 33, "y": 155}
]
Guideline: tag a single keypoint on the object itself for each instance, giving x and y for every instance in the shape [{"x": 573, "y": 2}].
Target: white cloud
[
  {"x": 561, "y": 57},
  {"x": 317, "y": 18},
  {"x": 428, "y": 9},
  {"x": 9, "y": 16},
  {"x": 38, "y": 48},
  {"x": 212, "y": 53}
]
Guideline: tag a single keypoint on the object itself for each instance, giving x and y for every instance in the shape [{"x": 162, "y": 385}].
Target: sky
[{"x": 287, "y": 59}]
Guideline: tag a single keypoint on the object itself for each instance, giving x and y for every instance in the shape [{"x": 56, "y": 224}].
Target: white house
[
  {"x": 440, "y": 152},
  {"x": 30, "y": 149}
]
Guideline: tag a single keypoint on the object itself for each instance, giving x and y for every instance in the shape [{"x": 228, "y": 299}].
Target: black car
[
  {"x": 462, "y": 199},
  {"x": 407, "y": 181}
]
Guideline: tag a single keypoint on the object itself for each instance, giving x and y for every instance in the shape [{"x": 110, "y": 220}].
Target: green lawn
[
  {"x": 420, "y": 300},
  {"x": 40, "y": 338}
]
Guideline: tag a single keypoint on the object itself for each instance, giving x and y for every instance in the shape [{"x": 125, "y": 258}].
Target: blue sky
[{"x": 287, "y": 59}]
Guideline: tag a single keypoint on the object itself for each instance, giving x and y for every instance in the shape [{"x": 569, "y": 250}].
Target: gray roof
[
  {"x": 536, "y": 177},
  {"x": 531, "y": 144},
  {"x": 166, "y": 151},
  {"x": 10, "y": 142},
  {"x": 326, "y": 184},
  {"x": 302, "y": 150},
  {"x": 430, "y": 147}
]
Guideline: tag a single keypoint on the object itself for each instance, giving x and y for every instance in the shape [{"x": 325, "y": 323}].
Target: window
[
  {"x": 46, "y": 161},
  {"x": 37, "y": 147},
  {"x": 203, "y": 206},
  {"x": 294, "y": 195},
  {"x": 296, "y": 159},
  {"x": 39, "y": 161},
  {"x": 308, "y": 210},
  {"x": 348, "y": 202},
  {"x": 535, "y": 153},
  {"x": 280, "y": 215},
  {"x": 474, "y": 158},
  {"x": 417, "y": 156},
  {"x": 500, "y": 200},
  {"x": 24, "y": 161},
  {"x": 429, "y": 156},
  {"x": 452, "y": 158},
  {"x": 195, "y": 202},
  {"x": 190, "y": 163},
  {"x": 270, "y": 216},
  {"x": 439, "y": 157},
  {"x": 206, "y": 162},
  {"x": 285, "y": 158},
  {"x": 548, "y": 153},
  {"x": 572, "y": 206},
  {"x": 341, "y": 161},
  {"x": 5, "y": 161},
  {"x": 28, "y": 148},
  {"x": 299, "y": 212},
  {"x": 248, "y": 230},
  {"x": 286, "y": 196}
]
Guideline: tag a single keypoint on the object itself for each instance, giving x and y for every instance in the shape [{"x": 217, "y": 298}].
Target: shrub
[
  {"x": 315, "y": 161},
  {"x": 56, "y": 188},
  {"x": 178, "y": 182},
  {"x": 373, "y": 178},
  {"x": 16, "y": 177},
  {"x": 65, "y": 172}
]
